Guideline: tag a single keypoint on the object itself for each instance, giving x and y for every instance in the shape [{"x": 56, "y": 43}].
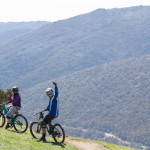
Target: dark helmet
[{"x": 15, "y": 89}]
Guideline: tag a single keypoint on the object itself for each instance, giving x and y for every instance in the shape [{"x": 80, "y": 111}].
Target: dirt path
[{"x": 86, "y": 145}]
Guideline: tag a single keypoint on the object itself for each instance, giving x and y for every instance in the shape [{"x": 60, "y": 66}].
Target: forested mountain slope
[
  {"x": 112, "y": 98},
  {"x": 63, "y": 47},
  {"x": 101, "y": 61}
]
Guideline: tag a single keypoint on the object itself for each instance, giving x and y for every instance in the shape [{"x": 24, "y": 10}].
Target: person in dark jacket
[
  {"x": 16, "y": 105},
  {"x": 53, "y": 110}
]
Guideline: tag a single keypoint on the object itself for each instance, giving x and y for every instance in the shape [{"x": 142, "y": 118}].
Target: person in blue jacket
[{"x": 52, "y": 109}]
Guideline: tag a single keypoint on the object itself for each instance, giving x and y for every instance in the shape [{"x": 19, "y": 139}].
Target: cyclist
[
  {"x": 52, "y": 108},
  {"x": 16, "y": 105}
]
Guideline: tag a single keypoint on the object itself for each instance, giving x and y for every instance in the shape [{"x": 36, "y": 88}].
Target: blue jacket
[{"x": 53, "y": 104}]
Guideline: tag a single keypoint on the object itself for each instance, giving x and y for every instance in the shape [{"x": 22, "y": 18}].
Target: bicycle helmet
[
  {"x": 15, "y": 89},
  {"x": 49, "y": 92}
]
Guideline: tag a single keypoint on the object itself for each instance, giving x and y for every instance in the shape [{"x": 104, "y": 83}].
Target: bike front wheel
[
  {"x": 36, "y": 130},
  {"x": 20, "y": 123},
  {"x": 58, "y": 133},
  {"x": 2, "y": 119}
]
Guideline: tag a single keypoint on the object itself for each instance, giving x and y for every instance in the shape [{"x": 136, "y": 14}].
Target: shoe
[
  {"x": 42, "y": 139},
  {"x": 7, "y": 126}
]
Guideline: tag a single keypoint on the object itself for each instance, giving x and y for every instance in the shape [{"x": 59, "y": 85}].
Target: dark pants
[{"x": 48, "y": 119}]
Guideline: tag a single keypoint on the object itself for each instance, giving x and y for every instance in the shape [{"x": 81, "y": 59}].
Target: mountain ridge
[
  {"x": 101, "y": 56},
  {"x": 77, "y": 43}
]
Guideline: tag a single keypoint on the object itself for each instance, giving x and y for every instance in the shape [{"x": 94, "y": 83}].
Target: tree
[{"x": 4, "y": 95}]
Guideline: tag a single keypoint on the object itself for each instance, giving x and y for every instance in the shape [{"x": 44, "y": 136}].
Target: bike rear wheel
[
  {"x": 20, "y": 123},
  {"x": 36, "y": 130},
  {"x": 2, "y": 119},
  {"x": 58, "y": 133}
]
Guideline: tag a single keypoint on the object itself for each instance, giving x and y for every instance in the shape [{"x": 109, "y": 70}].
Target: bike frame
[
  {"x": 39, "y": 123},
  {"x": 5, "y": 109},
  {"x": 13, "y": 120}
]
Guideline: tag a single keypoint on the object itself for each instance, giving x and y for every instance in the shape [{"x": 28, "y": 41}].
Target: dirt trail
[{"x": 86, "y": 145}]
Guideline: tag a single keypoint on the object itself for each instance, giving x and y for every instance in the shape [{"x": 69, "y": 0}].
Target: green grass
[
  {"x": 115, "y": 147},
  {"x": 11, "y": 140},
  {"x": 108, "y": 145}
]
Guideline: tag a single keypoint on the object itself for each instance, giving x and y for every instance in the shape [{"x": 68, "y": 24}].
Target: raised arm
[{"x": 56, "y": 89}]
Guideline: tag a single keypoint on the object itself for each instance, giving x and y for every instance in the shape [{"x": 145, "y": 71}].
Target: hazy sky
[{"x": 53, "y": 10}]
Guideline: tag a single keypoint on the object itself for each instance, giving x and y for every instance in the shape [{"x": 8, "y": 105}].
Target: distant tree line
[{"x": 4, "y": 95}]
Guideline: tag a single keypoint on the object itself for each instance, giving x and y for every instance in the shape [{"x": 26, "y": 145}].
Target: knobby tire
[
  {"x": 56, "y": 132},
  {"x": 2, "y": 119},
  {"x": 16, "y": 123}
]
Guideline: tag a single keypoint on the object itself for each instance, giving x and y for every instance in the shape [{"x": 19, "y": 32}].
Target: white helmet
[{"x": 49, "y": 92}]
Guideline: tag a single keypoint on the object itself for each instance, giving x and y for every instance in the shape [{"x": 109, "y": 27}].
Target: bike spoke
[
  {"x": 58, "y": 134},
  {"x": 36, "y": 130},
  {"x": 20, "y": 124}
]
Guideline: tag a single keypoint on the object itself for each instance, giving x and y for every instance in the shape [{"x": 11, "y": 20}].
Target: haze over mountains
[
  {"x": 11, "y": 30},
  {"x": 101, "y": 61}
]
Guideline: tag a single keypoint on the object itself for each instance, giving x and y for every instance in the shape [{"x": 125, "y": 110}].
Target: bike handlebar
[{"x": 39, "y": 112}]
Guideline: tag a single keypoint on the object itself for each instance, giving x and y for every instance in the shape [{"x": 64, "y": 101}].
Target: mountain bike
[
  {"x": 56, "y": 130},
  {"x": 18, "y": 121}
]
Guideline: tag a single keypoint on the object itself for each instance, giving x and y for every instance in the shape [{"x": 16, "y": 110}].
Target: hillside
[
  {"x": 12, "y": 140},
  {"x": 107, "y": 98},
  {"x": 8, "y": 26},
  {"x": 12, "y": 30},
  {"x": 66, "y": 46},
  {"x": 101, "y": 62},
  {"x": 94, "y": 145}
]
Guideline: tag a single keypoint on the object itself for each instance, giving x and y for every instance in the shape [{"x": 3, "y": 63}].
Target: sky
[{"x": 54, "y": 10}]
